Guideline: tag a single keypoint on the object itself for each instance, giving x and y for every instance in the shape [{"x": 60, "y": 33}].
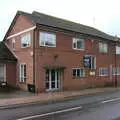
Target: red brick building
[{"x": 56, "y": 54}]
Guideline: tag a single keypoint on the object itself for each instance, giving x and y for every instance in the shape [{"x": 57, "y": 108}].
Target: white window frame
[
  {"x": 46, "y": 40},
  {"x": 116, "y": 71},
  {"x": 22, "y": 79},
  {"x": 94, "y": 62},
  {"x": 100, "y": 71},
  {"x": 22, "y": 37},
  {"x": 21, "y": 32},
  {"x": 103, "y": 47},
  {"x": 74, "y": 41},
  {"x": 80, "y": 73},
  {"x": 117, "y": 50}
]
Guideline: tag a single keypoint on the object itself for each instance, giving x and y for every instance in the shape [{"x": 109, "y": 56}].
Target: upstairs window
[
  {"x": 78, "y": 44},
  {"x": 25, "y": 40},
  {"x": 23, "y": 73},
  {"x": 13, "y": 44},
  {"x": 118, "y": 50},
  {"x": 116, "y": 71},
  {"x": 47, "y": 39},
  {"x": 103, "y": 47},
  {"x": 103, "y": 71},
  {"x": 78, "y": 72}
]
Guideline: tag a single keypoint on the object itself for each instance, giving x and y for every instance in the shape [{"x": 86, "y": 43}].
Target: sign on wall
[{"x": 87, "y": 61}]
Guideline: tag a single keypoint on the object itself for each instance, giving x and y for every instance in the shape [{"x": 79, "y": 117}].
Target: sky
[{"x": 101, "y": 14}]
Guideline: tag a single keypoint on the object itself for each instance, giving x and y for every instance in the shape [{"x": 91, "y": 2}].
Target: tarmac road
[{"x": 100, "y": 106}]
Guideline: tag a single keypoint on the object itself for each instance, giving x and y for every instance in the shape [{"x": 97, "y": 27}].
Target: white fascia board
[{"x": 19, "y": 33}]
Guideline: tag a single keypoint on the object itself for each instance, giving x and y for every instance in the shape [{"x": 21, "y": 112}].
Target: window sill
[
  {"x": 47, "y": 46},
  {"x": 103, "y": 75},
  {"x": 78, "y": 77},
  {"x": 25, "y": 47},
  {"x": 116, "y": 74},
  {"x": 78, "y": 49},
  {"x": 22, "y": 82},
  {"x": 103, "y": 52}
]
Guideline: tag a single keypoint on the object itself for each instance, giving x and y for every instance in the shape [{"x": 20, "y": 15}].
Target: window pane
[
  {"x": 41, "y": 38},
  {"x": 93, "y": 62},
  {"x": 78, "y": 43},
  {"x": 103, "y": 71},
  {"x": 47, "y": 39},
  {"x": 74, "y": 72},
  {"x": 117, "y": 50},
  {"x": 78, "y": 72},
  {"x": 25, "y": 40},
  {"x": 13, "y": 43},
  {"x": 74, "y": 43},
  {"x": 114, "y": 71},
  {"x": 1, "y": 70},
  {"x": 103, "y": 47},
  {"x": 22, "y": 73}
]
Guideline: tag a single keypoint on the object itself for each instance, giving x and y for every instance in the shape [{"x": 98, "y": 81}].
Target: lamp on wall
[
  {"x": 31, "y": 53},
  {"x": 55, "y": 56}
]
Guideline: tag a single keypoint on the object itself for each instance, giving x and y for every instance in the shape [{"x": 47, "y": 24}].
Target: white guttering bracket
[{"x": 19, "y": 33}]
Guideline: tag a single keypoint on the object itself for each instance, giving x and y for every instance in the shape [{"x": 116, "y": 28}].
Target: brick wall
[
  {"x": 11, "y": 73},
  {"x": 71, "y": 59},
  {"x": 24, "y": 55}
]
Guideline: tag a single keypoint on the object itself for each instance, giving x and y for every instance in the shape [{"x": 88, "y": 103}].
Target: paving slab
[{"x": 46, "y": 97}]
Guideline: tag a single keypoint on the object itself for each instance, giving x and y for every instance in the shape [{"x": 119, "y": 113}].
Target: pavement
[{"x": 13, "y": 101}]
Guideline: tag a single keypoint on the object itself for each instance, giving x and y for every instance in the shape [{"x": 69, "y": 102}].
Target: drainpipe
[
  {"x": 34, "y": 39},
  {"x": 115, "y": 67}
]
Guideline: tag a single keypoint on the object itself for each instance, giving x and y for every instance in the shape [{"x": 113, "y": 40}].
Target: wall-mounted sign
[
  {"x": 92, "y": 73},
  {"x": 87, "y": 61}
]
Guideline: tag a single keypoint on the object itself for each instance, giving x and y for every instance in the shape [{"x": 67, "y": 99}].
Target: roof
[
  {"x": 47, "y": 20},
  {"x": 5, "y": 54},
  {"x": 43, "y": 19}
]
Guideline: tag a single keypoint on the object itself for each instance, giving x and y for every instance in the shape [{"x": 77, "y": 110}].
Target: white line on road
[
  {"x": 51, "y": 113},
  {"x": 106, "y": 101}
]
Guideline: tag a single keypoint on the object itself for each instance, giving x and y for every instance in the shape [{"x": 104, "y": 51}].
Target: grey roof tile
[
  {"x": 5, "y": 53},
  {"x": 43, "y": 19}
]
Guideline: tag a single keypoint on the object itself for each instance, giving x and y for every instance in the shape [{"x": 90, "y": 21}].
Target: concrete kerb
[{"x": 51, "y": 101}]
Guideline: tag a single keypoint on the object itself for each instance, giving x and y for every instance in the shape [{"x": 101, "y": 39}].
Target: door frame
[{"x": 50, "y": 81}]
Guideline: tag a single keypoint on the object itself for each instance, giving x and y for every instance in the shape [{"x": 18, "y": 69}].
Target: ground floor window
[
  {"x": 2, "y": 73},
  {"x": 78, "y": 72},
  {"x": 103, "y": 71},
  {"x": 22, "y": 72}
]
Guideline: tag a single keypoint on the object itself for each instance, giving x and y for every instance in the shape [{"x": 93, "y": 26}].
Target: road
[{"x": 102, "y": 106}]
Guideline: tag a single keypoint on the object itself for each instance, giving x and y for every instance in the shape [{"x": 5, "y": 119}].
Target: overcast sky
[{"x": 101, "y": 14}]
